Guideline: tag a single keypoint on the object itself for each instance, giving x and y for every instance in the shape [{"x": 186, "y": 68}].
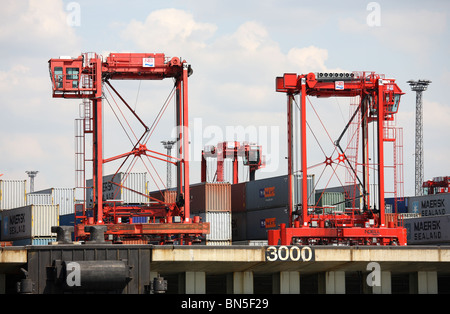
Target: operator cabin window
[
  {"x": 58, "y": 77},
  {"x": 72, "y": 74}
]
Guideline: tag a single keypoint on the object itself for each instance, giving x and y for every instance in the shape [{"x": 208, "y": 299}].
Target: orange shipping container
[{"x": 207, "y": 197}]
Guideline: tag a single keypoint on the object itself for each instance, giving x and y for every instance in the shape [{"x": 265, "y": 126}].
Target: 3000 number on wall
[{"x": 289, "y": 253}]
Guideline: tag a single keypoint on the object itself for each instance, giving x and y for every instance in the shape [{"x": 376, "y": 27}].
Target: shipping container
[
  {"x": 220, "y": 227},
  {"x": 139, "y": 219},
  {"x": 30, "y": 221},
  {"x": 428, "y": 230},
  {"x": 206, "y": 197},
  {"x": 430, "y": 205},
  {"x": 168, "y": 196},
  {"x": 402, "y": 204},
  {"x": 274, "y": 192},
  {"x": 12, "y": 194},
  {"x": 238, "y": 197},
  {"x": 67, "y": 220},
  {"x": 352, "y": 194},
  {"x": 34, "y": 241},
  {"x": 113, "y": 190},
  {"x": 239, "y": 226},
  {"x": 39, "y": 199},
  {"x": 64, "y": 197},
  {"x": 261, "y": 221},
  {"x": 330, "y": 202}
]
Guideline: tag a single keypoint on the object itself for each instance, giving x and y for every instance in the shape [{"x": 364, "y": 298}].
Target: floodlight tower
[
  {"x": 32, "y": 175},
  {"x": 419, "y": 86},
  {"x": 168, "y": 146}
]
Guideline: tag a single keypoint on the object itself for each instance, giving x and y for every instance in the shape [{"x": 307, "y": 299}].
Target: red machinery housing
[
  {"x": 84, "y": 78},
  {"x": 437, "y": 185},
  {"x": 251, "y": 155},
  {"x": 379, "y": 101}
]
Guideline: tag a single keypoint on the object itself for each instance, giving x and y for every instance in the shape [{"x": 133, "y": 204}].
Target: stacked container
[
  {"x": 428, "y": 230},
  {"x": 64, "y": 197},
  {"x": 29, "y": 224},
  {"x": 212, "y": 202},
  {"x": 266, "y": 206},
  {"x": 12, "y": 194},
  {"x": 352, "y": 195},
  {"x": 430, "y": 205},
  {"x": 112, "y": 191}
]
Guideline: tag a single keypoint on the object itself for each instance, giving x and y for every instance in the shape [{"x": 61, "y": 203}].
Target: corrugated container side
[
  {"x": 12, "y": 194},
  {"x": 260, "y": 221},
  {"x": 220, "y": 226},
  {"x": 64, "y": 197},
  {"x": 39, "y": 199},
  {"x": 34, "y": 241},
  {"x": 137, "y": 182},
  {"x": 44, "y": 217},
  {"x": 207, "y": 197},
  {"x": 134, "y": 181},
  {"x": 352, "y": 194},
  {"x": 138, "y": 219},
  {"x": 238, "y": 197},
  {"x": 168, "y": 196},
  {"x": 29, "y": 222},
  {"x": 331, "y": 201}
]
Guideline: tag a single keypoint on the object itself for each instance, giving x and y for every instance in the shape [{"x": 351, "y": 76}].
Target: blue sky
[{"x": 236, "y": 49}]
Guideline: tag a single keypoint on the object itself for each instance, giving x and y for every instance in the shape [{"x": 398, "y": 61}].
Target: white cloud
[
  {"x": 36, "y": 27},
  {"x": 169, "y": 30},
  {"x": 37, "y": 131},
  {"x": 309, "y": 59}
]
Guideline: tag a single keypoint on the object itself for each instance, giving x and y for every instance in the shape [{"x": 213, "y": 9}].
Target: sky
[{"x": 236, "y": 49}]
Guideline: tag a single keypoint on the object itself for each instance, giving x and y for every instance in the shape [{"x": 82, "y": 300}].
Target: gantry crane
[
  {"x": 84, "y": 77},
  {"x": 251, "y": 156},
  {"x": 437, "y": 185},
  {"x": 379, "y": 101}
]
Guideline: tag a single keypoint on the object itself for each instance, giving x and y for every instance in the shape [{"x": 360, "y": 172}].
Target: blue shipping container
[{"x": 273, "y": 192}]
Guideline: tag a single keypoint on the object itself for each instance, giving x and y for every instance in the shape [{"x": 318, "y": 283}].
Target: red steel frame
[
  {"x": 367, "y": 227},
  {"x": 233, "y": 150},
  {"x": 83, "y": 77}
]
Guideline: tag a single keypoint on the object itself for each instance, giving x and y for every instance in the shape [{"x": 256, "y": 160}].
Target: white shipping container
[
  {"x": 30, "y": 221},
  {"x": 39, "y": 199},
  {"x": 220, "y": 227},
  {"x": 64, "y": 197},
  {"x": 12, "y": 194},
  {"x": 113, "y": 192}
]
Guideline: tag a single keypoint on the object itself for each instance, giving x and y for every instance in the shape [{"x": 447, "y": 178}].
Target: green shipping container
[{"x": 331, "y": 202}]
